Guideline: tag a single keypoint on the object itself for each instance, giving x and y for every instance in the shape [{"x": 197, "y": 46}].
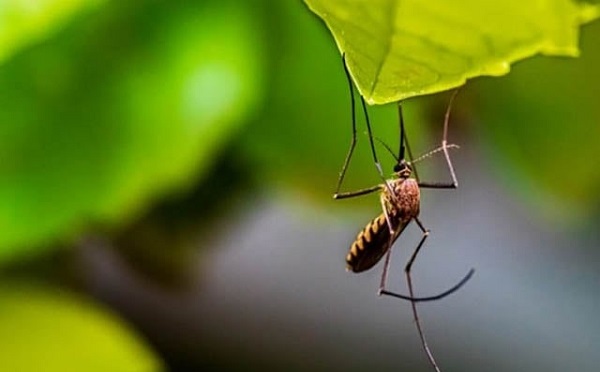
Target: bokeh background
[{"x": 166, "y": 172}]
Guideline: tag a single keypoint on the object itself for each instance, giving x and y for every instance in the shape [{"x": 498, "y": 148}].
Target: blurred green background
[{"x": 166, "y": 172}]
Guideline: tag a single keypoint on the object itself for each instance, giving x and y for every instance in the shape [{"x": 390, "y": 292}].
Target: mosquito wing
[{"x": 372, "y": 243}]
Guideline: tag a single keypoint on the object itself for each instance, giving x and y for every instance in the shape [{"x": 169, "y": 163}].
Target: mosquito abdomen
[{"x": 370, "y": 245}]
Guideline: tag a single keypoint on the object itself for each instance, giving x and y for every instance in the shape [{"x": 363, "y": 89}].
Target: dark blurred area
[{"x": 166, "y": 173}]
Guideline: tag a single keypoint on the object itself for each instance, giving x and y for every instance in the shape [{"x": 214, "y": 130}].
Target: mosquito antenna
[
  {"x": 435, "y": 151},
  {"x": 388, "y": 148}
]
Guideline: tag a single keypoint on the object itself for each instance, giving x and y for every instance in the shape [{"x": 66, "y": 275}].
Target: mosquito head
[{"x": 403, "y": 169}]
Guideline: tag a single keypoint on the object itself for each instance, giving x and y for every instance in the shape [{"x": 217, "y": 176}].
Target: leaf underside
[{"x": 399, "y": 49}]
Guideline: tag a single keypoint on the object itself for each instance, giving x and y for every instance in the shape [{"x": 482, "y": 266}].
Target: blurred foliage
[
  {"x": 400, "y": 49},
  {"x": 162, "y": 245},
  {"x": 43, "y": 328},
  {"x": 305, "y": 126},
  {"x": 542, "y": 124},
  {"x": 134, "y": 101},
  {"x": 148, "y": 122},
  {"x": 119, "y": 106},
  {"x": 22, "y": 23}
]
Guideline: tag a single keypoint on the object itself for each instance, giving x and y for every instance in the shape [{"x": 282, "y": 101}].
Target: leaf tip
[{"x": 588, "y": 13}]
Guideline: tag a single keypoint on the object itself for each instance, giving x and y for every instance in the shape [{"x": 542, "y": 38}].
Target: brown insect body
[
  {"x": 405, "y": 202},
  {"x": 400, "y": 201},
  {"x": 370, "y": 245},
  {"x": 402, "y": 204}
]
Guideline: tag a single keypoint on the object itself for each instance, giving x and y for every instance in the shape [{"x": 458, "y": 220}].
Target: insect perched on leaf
[{"x": 400, "y": 201}]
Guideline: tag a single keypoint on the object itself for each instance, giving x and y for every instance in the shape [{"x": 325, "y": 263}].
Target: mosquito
[{"x": 400, "y": 202}]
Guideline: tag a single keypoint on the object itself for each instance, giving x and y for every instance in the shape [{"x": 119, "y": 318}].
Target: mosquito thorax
[{"x": 403, "y": 169}]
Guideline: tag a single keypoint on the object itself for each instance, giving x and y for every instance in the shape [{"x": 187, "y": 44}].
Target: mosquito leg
[
  {"x": 353, "y": 141},
  {"x": 337, "y": 193},
  {"x": 373, "y": 152},
  {"x": 384, "y": 273},
  {"x": 447, "y": 116},
  {"x": 411, "y": 297},
  {"x": 443, "y": 185},
  {"x": 387, "y": 217},
  {"x": 407, "y": 270},
  {"x": 455, "y": 288},
  {"x": 416, "y": 251},
  {"x": 445, "y": 146},
  {"x": 388, "y": 255},
  {"x": 437, "y": 185},
  {"x": 351, "y": 194}
]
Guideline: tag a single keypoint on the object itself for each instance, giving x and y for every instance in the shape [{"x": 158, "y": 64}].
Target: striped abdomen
[{"x": 372, "y": 243}]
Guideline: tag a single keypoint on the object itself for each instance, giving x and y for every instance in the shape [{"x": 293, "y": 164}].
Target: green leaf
[
  {"x": 97, "y": 124},
  {"x": 305, "y": 129},
  {"x": 23, "y": 22},
  {"x": 397, "y": 49},
  {"x": 541, "y": 125},
  {"x": 46, "y": 329}
]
